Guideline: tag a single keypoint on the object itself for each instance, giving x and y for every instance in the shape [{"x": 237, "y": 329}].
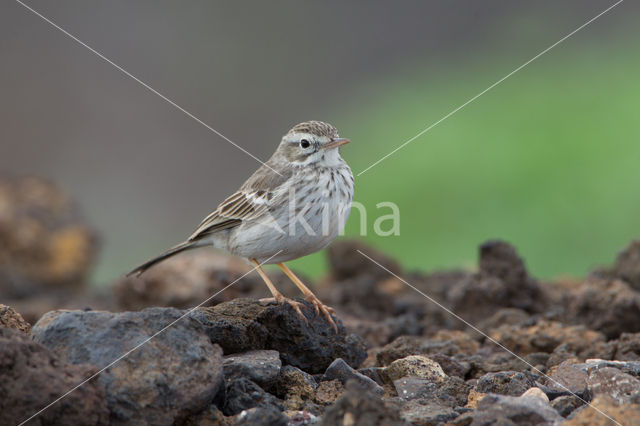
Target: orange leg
[
  {"x": 277, "y": 296},
  {"x": 320, "y": 307}
]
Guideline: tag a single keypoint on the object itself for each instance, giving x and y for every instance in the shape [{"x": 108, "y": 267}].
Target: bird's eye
[{"x": 304, "y": 143}]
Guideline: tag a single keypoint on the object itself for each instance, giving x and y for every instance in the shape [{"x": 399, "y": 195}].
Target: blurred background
[{"x": 548, "y": 160}]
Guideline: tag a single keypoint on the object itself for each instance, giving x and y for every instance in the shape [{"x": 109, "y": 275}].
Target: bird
[{"x": 295, "y": 204}]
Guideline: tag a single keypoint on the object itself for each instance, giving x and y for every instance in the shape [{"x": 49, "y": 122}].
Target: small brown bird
[{"x": 292, "y": 206}]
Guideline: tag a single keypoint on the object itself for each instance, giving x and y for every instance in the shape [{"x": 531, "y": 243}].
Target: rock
[
  {"x": 415, "y": 366},
  {"x": 620, "y": 386},
  {"x": 163, "y": 380},
  {"x": 409, "y": 388},
  {"x": 340, "y": 370},
  {"x": 33, "y": 377},
  {"x": 417, "y": 345},
  {"x": 243, "y": 325},
  {"x": 45, "y": 246},
  {"x": 567, "y": 404},
  {"x": 502, "y": 281},
  {"x": 302, "y": 418},
  {"x": 545, "y": 336},
  {"x": 9, "y": 318},
  {"x": 359, "y": 407},
  {"x": 629, "y": 367},
  {"x": 243, "y": 394},
  {"x": 602, "y": 411},
  {"x": 426, "y": 412},
  {"x": 626, "y": 266},
  {"x": 511, "y": 383},
  {"x": 261, "y": 416},
  {"x": 185, "y": 281},
  {"x": 569, "y": 379},
  {"x": 373, "y": 373},
  {"x": 473, "y": 398},
  {"x": 510, "y": 316},
  {"x": 212, "y": 416},
  {"x": 450, "y": 366},
  {"x": 610, "y": 307},
  {"x": 627, "y": 347},
  {"x": 295, "y": 386},
  {"x": 345, "y": 261},
  {"x": 521, "y": 410},
  {"x": 451, "y": 391},
  {"x": 261, "y": 367},
  {"x": 492, "y": 360},
  {"x": 536, "y": 392},
  {"x": 328, "y": 392}
]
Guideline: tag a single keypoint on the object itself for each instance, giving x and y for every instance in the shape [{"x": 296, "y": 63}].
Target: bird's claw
[
  {"x": 294, "y": 304},
  {"x": 327, "y": 311}
]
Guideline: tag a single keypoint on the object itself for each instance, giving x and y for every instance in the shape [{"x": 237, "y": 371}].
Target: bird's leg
[
  {"x": 326, "y": 310},
  {"x": 277, "y": 296}
]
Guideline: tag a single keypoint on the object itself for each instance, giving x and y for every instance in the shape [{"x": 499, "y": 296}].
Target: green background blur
[{"x": 548, "y": 160}]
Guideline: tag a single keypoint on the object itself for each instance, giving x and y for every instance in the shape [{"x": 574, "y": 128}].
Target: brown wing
[
  {"x": 253, "y": 199},
  {"x": 231, "y": 212}
]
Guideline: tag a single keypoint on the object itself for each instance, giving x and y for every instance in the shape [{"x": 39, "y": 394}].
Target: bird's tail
[{"x": 187, "y": 245}]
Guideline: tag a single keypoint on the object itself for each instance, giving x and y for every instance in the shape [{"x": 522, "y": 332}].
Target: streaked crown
[{"x": 318, "y": 128}]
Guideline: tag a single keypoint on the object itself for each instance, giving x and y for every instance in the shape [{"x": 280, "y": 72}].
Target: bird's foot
[
  {"x": 321, "y": 307},
  {"x": 294, "y": 304}
]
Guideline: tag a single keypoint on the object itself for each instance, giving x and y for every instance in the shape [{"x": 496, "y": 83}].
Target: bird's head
[{"x": 311, "y": 142}]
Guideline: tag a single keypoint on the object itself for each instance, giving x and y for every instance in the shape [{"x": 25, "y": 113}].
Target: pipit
[{"x": 292, "y": 206}]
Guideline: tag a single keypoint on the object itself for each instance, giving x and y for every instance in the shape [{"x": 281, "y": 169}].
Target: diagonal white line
[
  {"x": 142, "y": 83},
  {"x": 144, "y": 342},
  {"x": 468, "y": 324},
  {"x": 491, "y": 87}
]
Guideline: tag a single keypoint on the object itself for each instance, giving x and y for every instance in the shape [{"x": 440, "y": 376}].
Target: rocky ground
[{"x": 511, "y": 350}]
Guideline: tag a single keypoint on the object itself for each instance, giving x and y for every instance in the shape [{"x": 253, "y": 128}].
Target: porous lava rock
[
  {"x": 170, "y": 370},
  {"x": 32, "y": 377},
  {"x": 244, "y": 324}
]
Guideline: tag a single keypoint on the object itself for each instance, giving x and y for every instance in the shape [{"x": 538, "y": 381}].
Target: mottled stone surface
[
  {"x": 175, "y": 374},
  {"x": 32, "y": 376},
  {"x": 245, "y": 324}
]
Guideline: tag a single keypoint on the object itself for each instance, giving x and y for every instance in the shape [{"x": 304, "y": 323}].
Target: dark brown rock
[
  {"x": 340, "y": 370},
  {"x": 243, "y": 394},
  {"x": 45, "y": 246},
  {"x": 245, "y": 324},
  {"x": 295, "y": 387},
  {"x": 602, "y": 411},
  {"x": 566, "y": 404},
  {"x": 346, "y": 262},
  {"x": 328, "y": 391},
  {"x": 545, "y": 336},
  {"x": 502, "y": 281},
  {"x": 9, "y": 318},
  {"x": 165, "y": 379},
  {"x": 610, "y": 307},
  {"x": 504, "y": 316},
  {"x": 359, "y": 407},
  {"x": 627, "y": 347},
  {"x": 417, "y": 345},
  {"x": 512, "y": 383},
  {"x": 33, "y": 377},
  {"x": 620, "y": 386},
  {"x": 568, "y": 379},
  {"x": 626, "y": 266},
  {"x": 507, "y": 410},
  {"x": 426, "y": 412},
  {"x": 261, "y": 367}
]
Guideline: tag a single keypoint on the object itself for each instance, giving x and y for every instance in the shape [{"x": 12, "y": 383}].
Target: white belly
[{"x": 321, "y": 208}]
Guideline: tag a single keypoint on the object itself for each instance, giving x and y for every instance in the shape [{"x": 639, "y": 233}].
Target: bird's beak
[{"x": 335, "y": 143}]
